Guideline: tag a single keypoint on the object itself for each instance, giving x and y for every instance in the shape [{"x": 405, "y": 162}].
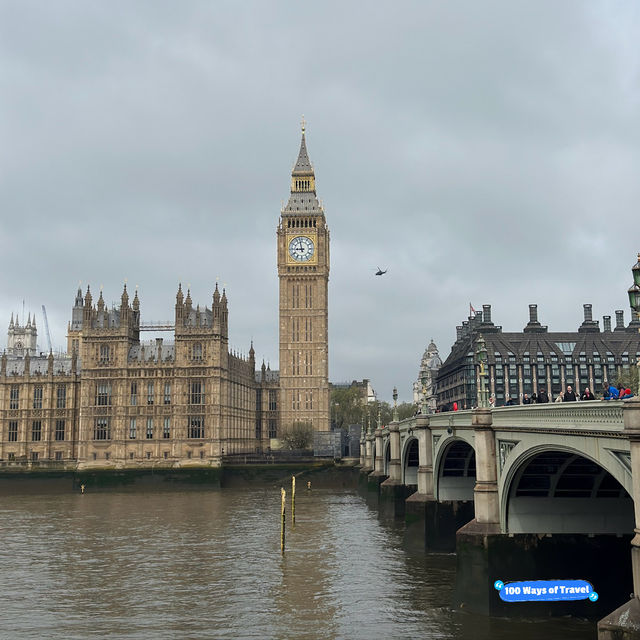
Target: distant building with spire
[{"x": 424, "y": 388}]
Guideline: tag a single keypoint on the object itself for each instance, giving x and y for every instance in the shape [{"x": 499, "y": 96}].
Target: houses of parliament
[{"x": 113, "y": 400}]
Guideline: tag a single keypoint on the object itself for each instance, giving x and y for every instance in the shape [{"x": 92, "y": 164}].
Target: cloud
[{"x": 483, "y": 152}]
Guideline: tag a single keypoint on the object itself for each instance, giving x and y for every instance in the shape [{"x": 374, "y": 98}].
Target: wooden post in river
[
  {"x": 283, "y": 510},
  {"x": 293, "y": 501}
]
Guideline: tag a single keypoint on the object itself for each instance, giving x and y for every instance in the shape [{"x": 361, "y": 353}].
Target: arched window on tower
[
  {"x": 105, "y": 353},
  {"x": 197, "y": 351}
]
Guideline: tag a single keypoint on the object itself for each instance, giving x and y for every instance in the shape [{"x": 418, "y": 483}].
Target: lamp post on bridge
[
  {"x": 395, "y": 404},
  {"x": 634, "y": 301},
  {"x": 481, "y": 359}
]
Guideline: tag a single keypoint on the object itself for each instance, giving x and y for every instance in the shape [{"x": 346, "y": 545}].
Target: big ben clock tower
[{"x": 303, "y": 271}]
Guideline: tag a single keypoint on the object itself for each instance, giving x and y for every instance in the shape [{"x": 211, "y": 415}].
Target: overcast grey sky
[{"x": 483, "y": 152}]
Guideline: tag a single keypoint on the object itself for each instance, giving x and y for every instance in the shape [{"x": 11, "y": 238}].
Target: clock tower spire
[{"x": 303, "y": 271}]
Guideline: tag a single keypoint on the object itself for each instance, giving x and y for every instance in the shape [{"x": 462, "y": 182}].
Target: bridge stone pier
[
  {"x": 395, "y": 489},
  {"x": 377, "y": 476},
  {"x": 531, "y": 492}
]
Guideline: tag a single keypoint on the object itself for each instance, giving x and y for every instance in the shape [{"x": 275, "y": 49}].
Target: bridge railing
[
  {"x": 451, "y": 419},
  {"x": 596, "y": 415}
]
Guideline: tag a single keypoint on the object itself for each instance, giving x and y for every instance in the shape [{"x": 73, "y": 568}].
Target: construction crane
[{"x": 46, "y": 326}]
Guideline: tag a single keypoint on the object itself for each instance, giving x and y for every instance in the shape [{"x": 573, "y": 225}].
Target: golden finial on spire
[{"x": 303, "y": 124}]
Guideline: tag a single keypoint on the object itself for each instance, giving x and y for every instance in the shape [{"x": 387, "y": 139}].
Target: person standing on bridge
[
  {"x": 542, "y": 396},
  {"x": 569, "y": 395},
  {"x": 587, "y": 395}
]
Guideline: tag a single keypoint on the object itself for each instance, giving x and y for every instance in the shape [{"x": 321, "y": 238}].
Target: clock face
[{"x": 301, "y": 249}]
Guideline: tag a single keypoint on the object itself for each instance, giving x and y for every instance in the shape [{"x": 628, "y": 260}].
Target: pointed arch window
[{"x": 105, "y": 354}]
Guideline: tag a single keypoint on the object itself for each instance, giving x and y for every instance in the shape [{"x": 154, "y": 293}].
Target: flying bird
[{"x": 380, "y": 272}]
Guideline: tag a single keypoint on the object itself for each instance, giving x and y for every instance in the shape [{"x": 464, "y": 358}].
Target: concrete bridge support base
[
  {"x": 432, "y": 525},
  {"x": 485, "y": 555},
  {"x": 622, "y": 624},
  {"x": 393, "y": 496},
  {"x": 374, "y": 480},
  {"x": 363, "y": 479}
]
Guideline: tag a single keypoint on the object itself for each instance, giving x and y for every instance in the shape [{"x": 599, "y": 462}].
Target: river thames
[{"x": 207, "y": 564}]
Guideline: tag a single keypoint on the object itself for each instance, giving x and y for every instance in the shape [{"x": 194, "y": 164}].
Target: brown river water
[{"x": 207, "y": 564}]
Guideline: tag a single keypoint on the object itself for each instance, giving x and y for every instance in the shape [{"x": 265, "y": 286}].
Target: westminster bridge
[{"x": 530, "y": 492}]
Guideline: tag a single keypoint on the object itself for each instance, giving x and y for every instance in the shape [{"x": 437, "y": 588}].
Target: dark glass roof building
[{"x": 524, "y": 362}]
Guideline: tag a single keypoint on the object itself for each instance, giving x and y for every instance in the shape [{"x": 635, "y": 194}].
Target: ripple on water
[{"x": 207, "y": 564}]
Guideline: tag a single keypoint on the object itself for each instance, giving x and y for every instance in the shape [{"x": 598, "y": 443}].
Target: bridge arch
[
  {"x": 455, "y": 466},
  {"x": 559, "y": 489},
  {"x": 410, "y": 461}
]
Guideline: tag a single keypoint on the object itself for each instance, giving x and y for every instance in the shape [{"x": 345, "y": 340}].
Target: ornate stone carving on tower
[
  {"x": 425, "y": 385},
  {"x": 303, "y": 271},
  {"x": 21, "y": 340}
]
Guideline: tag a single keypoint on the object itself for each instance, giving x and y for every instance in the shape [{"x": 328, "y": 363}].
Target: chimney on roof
[
  {"x": 619, "y": 320},
  {"x": 534, "y": 326},
  {"x": 588, "y": 323},
  {"x": 486, "y": 313},
  {"x": 606, "y": 323}
]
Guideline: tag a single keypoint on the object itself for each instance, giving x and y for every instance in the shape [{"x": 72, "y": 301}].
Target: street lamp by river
[
  {"x": 395, "y": 404},
  {"x": 634, "y": 301}
]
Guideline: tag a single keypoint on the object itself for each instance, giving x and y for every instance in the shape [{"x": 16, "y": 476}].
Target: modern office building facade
[{"x": 521, "y": 363}]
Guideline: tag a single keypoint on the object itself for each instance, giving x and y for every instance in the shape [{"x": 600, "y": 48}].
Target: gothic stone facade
[
  {"x": 115, "y": 401},
  {"x": 119, "y": 402},
  {"x": 303, "y": 269}
]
